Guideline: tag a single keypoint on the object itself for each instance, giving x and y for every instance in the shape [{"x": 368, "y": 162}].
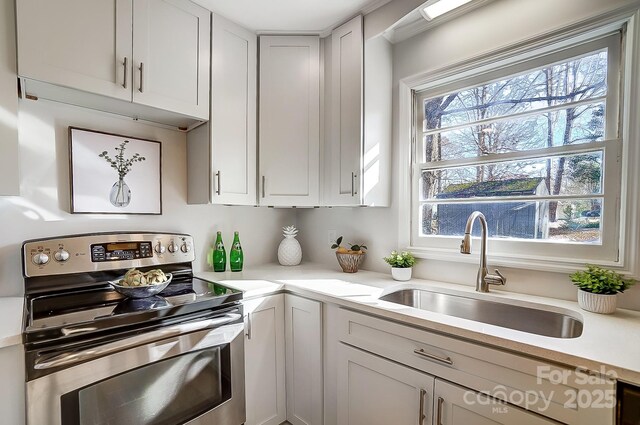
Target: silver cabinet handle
[
  {"x": 218, "y": 183},
  {"x": 439, "y": 413},
  {"x": 141, "y": 68},
  {"x": 353, "y": 184},
  {"x": 124, "y": 65},
  {"x": 421, "y": 415},
  {"x": 445, "y": 360},
  {"x": 263, "y": 180},
  {"x": 116, "y": 346},
  {"x": 248, "y": 325}
]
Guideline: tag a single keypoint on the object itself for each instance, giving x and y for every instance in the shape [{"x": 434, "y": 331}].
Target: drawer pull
[
  {"x": 445, "y": 360},
  {"x": 421, "y": 415}
]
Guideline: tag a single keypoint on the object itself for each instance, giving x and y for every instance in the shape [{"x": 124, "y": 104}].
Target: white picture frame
[{"x": 114, "y": 174}]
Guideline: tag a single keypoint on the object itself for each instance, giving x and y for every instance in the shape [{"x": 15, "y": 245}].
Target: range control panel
[
  {"x": 118, "y": 251},
  {"x": 104, "y": 251}
]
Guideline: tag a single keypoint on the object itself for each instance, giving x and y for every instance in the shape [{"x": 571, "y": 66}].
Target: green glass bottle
[
  {"x": 219, "y": 255},
  {"x": 236, "y": 257}
]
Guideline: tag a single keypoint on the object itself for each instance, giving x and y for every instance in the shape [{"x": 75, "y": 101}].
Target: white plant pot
[
  {"x": 597, "y": 303},
  {"x": 401, "y": 274},
  {"x": 289, "y": 252}
]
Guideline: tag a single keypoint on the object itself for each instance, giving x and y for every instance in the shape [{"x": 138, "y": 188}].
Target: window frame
[{"x": 538, "y": 255}]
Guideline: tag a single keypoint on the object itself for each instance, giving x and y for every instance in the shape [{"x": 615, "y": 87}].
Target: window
[{"x": 534, "y": 146}]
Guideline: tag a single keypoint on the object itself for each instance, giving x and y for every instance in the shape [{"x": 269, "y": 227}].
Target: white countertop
[
  {"x": 11, "y": 321},
  {"x": 611, "y": 342}
]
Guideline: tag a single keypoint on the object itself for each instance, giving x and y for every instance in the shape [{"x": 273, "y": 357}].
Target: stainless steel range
[{"x": 95, "y": 357}]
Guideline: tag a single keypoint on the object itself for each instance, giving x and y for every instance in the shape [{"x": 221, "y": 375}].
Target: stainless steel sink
[{"x": 525, "y": 319}]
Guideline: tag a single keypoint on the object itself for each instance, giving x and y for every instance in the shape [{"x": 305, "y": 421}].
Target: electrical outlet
[{"x": 332, "y": 236}]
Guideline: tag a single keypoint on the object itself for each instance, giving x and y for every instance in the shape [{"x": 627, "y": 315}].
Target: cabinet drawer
[{"x": 563, "y": 394}]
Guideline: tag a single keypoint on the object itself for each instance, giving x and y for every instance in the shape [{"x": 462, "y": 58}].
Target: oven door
[{"x": 195, "y": 377}]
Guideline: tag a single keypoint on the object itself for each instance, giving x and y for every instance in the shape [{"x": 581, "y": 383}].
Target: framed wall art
[{"x": 114, "y": 174}]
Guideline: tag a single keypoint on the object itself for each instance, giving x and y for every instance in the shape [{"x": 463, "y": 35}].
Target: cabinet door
[
  {"x": 376, "y": 391},
  {"x": 346, "y": 109},
  {"x": 454, "y": 405},
  {"x": 9, "y": 145},
  {"x": 233, "y": 113},
  {"x": 264, "y": 361},
  {"x": 303, "y": 328},
  {"x": 82, "y": 44},
  {"x": 12, "y": 395},
  {"x": 171, "y": 49},
  {"x": 289, "y": 120}
]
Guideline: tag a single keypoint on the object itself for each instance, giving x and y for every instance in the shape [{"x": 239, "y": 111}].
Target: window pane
[
  {"x": 579, "y": 174},
  {"x": 576, "y": 220},
  {"x": 574, "y": 80},
  {"x": 581, "y": 124}
]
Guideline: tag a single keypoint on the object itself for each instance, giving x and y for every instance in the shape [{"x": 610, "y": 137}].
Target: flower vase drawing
[
  {"x": 114, "y": 174},
  {"x": 120, "y": 194}
]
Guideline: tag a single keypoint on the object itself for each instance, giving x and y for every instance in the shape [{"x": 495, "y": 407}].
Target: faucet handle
[{"x": 496, "y": 279}]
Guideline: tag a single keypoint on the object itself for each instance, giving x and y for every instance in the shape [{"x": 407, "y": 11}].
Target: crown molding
[{"x": 327, "y": 31}]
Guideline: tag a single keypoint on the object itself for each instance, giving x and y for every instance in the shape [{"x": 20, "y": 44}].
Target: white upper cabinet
[
  {"x": 222, "y": 153},
  {"x": 148, "y": 59},
  {"x": 289, "y": 125},
  {"x": 357, "y": 145},
  {"x": 83, "y": 44},
  {"x": 9, "y": 145},
  {"x": 171, "y": 56},
  {"x": 233, "y": 113},
  {"x": 345, "y": 139}
]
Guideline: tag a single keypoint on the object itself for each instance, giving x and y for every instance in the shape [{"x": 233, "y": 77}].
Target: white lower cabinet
[
  {"x": 303, "y": 329},
  {"x": 265, "y": 360},
  {"x": 283, "y": 360},
  {"x": 475, "y": 384},
  {"x": 313, "y": 364},
  {"x": 12, "y": 390},
  {"x": 455, "y": 405},
  {"x": 376, "y": 391}
]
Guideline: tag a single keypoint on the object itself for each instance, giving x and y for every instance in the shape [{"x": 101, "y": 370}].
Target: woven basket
[{"x": 350, "y": 262}]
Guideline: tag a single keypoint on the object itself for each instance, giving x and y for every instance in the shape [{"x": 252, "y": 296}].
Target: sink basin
[{"x": 525, "y": 319}]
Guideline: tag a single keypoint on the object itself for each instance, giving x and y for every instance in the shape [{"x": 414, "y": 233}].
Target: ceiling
[{"x": 289, "y": 15}]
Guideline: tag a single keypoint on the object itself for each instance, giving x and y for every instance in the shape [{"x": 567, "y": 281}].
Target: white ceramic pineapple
[{"x": 289, "y": 251}]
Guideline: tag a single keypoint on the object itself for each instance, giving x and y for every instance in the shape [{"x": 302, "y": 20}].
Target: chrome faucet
[{"x": 484, "y": 279}]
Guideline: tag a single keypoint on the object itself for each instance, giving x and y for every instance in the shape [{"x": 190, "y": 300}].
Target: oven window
[{"x": 167, "y": 392}]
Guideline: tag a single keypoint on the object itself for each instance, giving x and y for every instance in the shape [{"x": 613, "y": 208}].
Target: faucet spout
[{"x": 483, "y": 278}]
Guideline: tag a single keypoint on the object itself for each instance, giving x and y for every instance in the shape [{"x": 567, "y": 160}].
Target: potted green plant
[
  {"x": 349, "y": 259},
  {"x": 401, "y": 265},
  {"x": 598, "y": 287}
]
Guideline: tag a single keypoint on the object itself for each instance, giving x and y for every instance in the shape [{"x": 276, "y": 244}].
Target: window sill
[{"x": 540, "y": 263}]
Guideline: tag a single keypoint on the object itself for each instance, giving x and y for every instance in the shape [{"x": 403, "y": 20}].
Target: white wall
[
  {"x": 43, "y": 208},
  {"x": 498, "y": 24}
]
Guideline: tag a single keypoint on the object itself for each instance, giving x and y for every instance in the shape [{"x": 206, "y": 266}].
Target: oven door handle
[{"x": 116, "y": 346}]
